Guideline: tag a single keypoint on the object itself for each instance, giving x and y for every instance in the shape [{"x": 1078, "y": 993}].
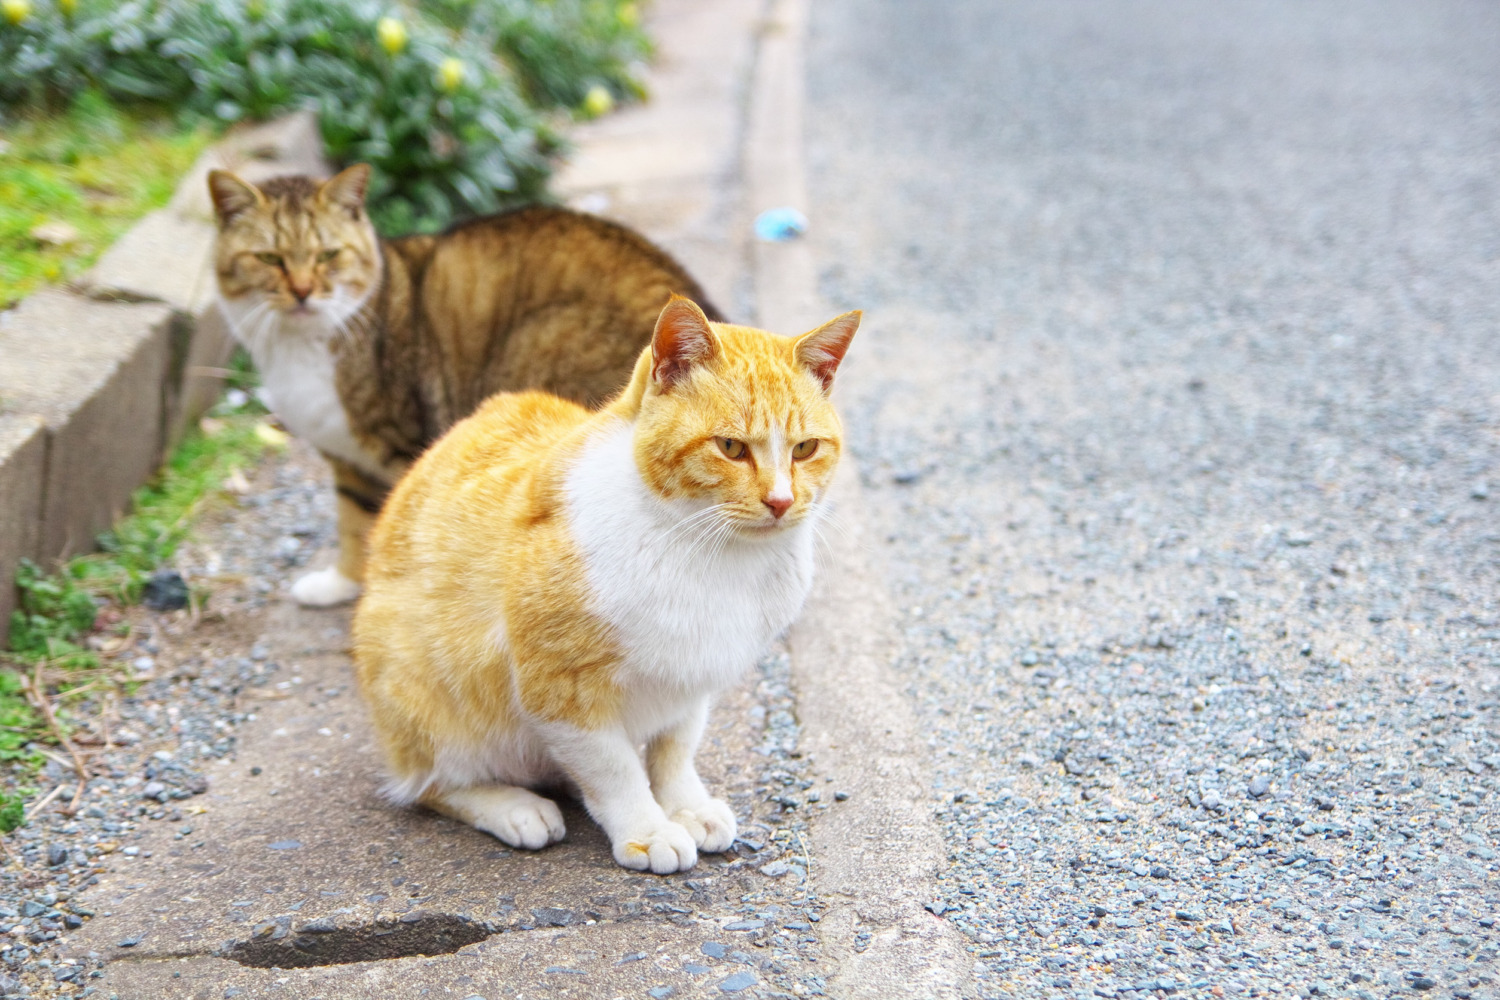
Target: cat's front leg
[
  {"x": 679, "y": 790},
  {"x": 607, "y": 770},
  {"x": 358, "y": 499}
]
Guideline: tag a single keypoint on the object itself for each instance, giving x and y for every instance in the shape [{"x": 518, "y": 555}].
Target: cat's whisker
[
  {"x": 697, "y": 524},
  {"x": 824, "y": 551},
  {"x": 716, "y": 539},
  {"x": 720, "y": 540},
  {"x": 260, "y": 322},
  {"x": 694, "y": 517},
  {"x": 705, "y": 538},
  {"x": 831, "y": 515},
  {"x": 248, "y": 326}
]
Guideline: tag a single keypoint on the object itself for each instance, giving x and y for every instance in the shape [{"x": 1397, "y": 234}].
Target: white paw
[
  {"x": 324, "y": 589},
  {"x": 663, "y": 848},
  {"x": 710, "y": 823},
  {"x": 519, "y": 817}
]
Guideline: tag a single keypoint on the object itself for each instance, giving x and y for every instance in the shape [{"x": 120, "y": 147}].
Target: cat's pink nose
[{"x": 779, "y": 504}]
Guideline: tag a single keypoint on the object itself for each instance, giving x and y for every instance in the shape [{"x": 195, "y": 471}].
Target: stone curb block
[
  {"x": 23, "y": 454},
  {"x": 94, "y": 372},
  {"x": 97, "y": 381}
]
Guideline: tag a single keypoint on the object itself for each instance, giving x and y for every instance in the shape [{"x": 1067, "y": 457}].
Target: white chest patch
[
  {"x": 692, "y": 608},
  {"x": 295, "y": 361}
]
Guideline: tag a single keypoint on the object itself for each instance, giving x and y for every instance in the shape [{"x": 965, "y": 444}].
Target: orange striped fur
[{"x": 550, "y": 589}]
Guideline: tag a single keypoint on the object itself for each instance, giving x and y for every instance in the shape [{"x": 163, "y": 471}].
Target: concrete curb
[
  {"x": 876, "y": 855},
  {"x": 98, "y": 381}
]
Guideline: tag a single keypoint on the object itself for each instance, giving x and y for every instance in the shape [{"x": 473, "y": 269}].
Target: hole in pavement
[{"x": 429, "y": 934}]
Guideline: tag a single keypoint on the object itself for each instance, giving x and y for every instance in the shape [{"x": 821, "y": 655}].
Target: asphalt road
[{"x": 1178, "y": 411}]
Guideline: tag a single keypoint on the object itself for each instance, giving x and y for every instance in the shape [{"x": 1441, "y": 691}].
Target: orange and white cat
[{"x": 552, "y": 590}]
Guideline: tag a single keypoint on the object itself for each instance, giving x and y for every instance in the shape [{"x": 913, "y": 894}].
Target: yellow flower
[
  {"x": 451, "y": 74},
  {"x": 15, "y": 11},
  {"x": 598, "y": 101},
  {"x": 629, "y": 15},
  {"x": 67, "y": 7},
  {"x": 392, "y": 34}
]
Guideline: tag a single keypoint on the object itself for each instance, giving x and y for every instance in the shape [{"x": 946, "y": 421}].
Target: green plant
[
  {"x": 442, "y": 146},
  {"x": 55, "y": 610},
  {"x": 560, "y": 49},
  {"x": 12, "y": 811},
  {"x": 18, "y": 725},
  {"x": 430, "y": 101}
]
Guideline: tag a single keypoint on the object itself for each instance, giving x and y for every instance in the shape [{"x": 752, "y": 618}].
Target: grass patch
[
  {"x": 94, "y": 169},
  {"x": 49, "y": 652}
]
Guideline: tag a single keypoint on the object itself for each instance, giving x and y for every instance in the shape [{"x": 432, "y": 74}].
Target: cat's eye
[
  {"x": 731, "y": 448},
  {"x": 805, "y": 449},
  {"x": 326, "y": 256},
  {"x": 274, "y": 259}
]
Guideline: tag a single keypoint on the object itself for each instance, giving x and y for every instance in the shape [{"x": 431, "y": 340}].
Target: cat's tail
[{"x": 407, "y": 790}]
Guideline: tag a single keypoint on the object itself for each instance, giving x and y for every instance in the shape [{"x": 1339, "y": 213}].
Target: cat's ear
[
  {"x": 821, "y": 351},
  {"x": 346, "y": 189},
  {"x": 682, "y": 339},
  {"x": 231, "y": 195}
]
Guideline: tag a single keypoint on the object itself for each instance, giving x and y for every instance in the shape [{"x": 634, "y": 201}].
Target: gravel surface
[
  {"x": 200, "y": 681},
  {"x": 1178, "y": 408}
]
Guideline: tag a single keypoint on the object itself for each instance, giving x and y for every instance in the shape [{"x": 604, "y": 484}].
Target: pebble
[
  {"x": 1260, "y": 785},
  {"x": 738, "y": 981},
  {"x": 745, "y": 925},
  {"x": 166, "y": 590}
]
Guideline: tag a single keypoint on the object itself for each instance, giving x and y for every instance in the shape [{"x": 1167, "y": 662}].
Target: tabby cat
[
  {"x": 371, "y": 348},
  {"x": 550, "y": 589}
]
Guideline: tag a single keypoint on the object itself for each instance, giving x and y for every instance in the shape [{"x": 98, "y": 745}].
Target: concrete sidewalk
[{"x": 290, "y": 878}]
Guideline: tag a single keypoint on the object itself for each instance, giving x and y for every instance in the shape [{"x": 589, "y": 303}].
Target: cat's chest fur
[
  {"x": 296, "y": 367},
  {"x": 691, "y": 610}
]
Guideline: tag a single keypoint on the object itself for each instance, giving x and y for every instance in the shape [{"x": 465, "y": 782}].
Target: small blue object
[
  {"x": 285, "y": 845},
  {"x": 777, "y": 225},
  {"x": 660, "y": 992}
]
